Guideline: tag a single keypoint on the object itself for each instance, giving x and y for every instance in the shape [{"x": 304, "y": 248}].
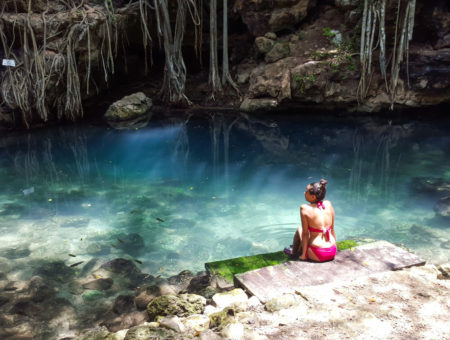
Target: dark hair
[{"x": 318, "y": 189}]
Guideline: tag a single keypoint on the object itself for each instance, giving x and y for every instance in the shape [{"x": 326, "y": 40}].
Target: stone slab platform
[{"x": 269, "y": 282}]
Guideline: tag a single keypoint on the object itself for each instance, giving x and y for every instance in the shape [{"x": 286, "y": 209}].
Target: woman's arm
[
  {"x": 305, "y": 232},
  {"x": 332, "y": 222}
]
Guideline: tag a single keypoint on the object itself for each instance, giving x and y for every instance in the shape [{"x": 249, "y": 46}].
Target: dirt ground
[{"x": 408, "y": 304}]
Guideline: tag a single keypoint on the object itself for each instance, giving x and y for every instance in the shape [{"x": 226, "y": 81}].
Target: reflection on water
[{"x": 185, "y": 191}]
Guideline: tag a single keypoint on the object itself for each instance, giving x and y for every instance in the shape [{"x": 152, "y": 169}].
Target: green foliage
[
  {"x": 327, "y": 32},
  {"x": 302, "y": 81},
  {"x": 346, "y": 244}
]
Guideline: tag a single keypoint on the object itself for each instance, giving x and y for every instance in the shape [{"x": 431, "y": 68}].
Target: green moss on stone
[
  {"x": 346, "y": 244},
  {"x": 228, "y": 268}
]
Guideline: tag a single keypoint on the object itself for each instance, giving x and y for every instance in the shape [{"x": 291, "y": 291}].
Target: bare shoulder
[
  {"x": 304, "y": 208},
  {"x": 328, "y": 204}
]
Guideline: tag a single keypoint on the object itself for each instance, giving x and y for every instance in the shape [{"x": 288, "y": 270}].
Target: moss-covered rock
[
  {"x": 92, "y": 295},
  {"x": 149, "y": 333},
  {"x": 180, "y": 305},
  {"x": 222, "y": 318},
  {"x": 346, "y": 244}
]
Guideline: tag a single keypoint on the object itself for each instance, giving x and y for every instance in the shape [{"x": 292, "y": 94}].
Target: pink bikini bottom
[{"x": 324, "y": 254}]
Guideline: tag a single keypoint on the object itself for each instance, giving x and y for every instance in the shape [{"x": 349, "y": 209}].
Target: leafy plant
[{"x": 327, "y": 32}]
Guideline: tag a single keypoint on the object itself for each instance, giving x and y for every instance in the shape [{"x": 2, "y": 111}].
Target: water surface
[{"x": 185, "y": 191}]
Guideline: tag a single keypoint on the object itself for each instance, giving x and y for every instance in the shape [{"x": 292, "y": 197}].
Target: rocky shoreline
[{"x": 114, "y": 300}]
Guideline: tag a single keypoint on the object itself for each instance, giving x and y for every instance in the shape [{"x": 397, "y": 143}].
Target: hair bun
[{"x": 323, "y": 182}]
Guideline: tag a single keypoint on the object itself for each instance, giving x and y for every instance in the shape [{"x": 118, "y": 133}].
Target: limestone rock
[
  {"x": 180, "y": 305},
  {"x": 253, "y": 302},
  {"x": 173, "y": 323},
  {"x": 263, "y": 44},
  {"x": 282, "y": 302},
  {"x": 39, "y": 290},
  {"x": 289, "y": 17},
  {"x": 125, "y": 321},
  {"x": 209, "y": 335},
  {"x": 442, "y": 207},
  {"x": 235, "y": 297},
  {"x": 222, "y": 318},
  {"x": 196, "y": 322},
  {"x": 149, "y": 333},
  {"x": 278, "y": 51},
  {"x": 258, "y": 104},
  {"x": 233, "y": 331},
  {"x": 99, "y": 284},
  {"x": 123, "y": 304},
  {"x": 270, "y": 35},
  {"x": 121, "y": 266},
  {"x": 129, "y": 107}
]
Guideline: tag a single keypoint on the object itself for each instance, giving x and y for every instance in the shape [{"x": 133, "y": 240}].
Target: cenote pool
[{"x": 184, "y": 191}]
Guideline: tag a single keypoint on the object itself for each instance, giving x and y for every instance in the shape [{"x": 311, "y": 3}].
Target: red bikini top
[{"x": 324, "y": 231}]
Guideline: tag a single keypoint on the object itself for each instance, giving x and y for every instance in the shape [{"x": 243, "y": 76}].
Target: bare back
[{"x": 317, "y": 218}]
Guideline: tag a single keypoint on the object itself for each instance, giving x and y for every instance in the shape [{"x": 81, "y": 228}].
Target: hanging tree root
[
  {"x": 373, "y": 17},
  {"x": 49, "y": 58}
]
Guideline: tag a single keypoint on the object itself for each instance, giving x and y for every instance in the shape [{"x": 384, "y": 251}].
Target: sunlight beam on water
[{"x": 183, "y": 192}]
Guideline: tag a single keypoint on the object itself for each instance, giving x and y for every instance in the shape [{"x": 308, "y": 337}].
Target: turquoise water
[{"x": 185, "y": 191}]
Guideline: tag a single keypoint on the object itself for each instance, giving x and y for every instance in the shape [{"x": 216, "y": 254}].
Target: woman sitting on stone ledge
[{"x": 316, "y": 239}]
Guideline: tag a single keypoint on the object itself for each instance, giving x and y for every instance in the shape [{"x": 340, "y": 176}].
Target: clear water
[{"x": 182, "y": 192}]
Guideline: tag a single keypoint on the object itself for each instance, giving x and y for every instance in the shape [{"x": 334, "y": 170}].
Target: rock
[
  {"x": 196, "y": 322},
  {"x": 278, "y": 51},
  {"x": 182, "y": 280},
  {"x": 149, "y": 333},
  {"x": 263, "y": 44},
  {"x": 55, "y": 271},
  {"x": 445, "y": 271},
  {"x": 264, "y": 16},
  {"x": 198, "y": 284},
  {"x": 99, "y": 284},
  {"x": 233, "y": 331},
  {"x": 289, "y": 17},
  {"x": 5, "y": 298},
  {"x": 180, "y": 305},
  {"x": 270, "y": 35},
  {"x": 432, "y": 185},
  {"x": 172, "y": 322},
  {"x": 124, "y": 304},
  {"x": 39, "y": 290},
  {"x": 95, "y": 334},
  {"x": 253, "y": 302},
  {"x": 129, "y": 107},
  {"x": 93, "y": 295},
  {"x": 146, "y": 296},
  {"x": 346, "y": 4},
  {"x": 259, "y": 104},
  {"x": 442, "y": 207},
  {"x": 222, "y": 318},
  {"x": 125, "y": 321},
  {"x": 15, "y": 252},
  {"x": 235, "y": 298},
  {"x": 282, "y": 302},
  {"x": 121, "y": 266}
]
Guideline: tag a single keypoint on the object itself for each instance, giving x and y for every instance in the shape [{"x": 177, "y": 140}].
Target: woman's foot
[{"x": 289, "y": 250}]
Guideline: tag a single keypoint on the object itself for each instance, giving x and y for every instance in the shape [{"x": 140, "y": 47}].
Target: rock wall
[
  {"x": 284, "y": 54},
  {"x": 313, "y": 59}
]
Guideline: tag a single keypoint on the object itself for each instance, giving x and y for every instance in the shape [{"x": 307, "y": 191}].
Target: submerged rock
[
  {"x": 15, "y": 252},
  {"x": 55, "y": 271},
  {"x": 180, "y": 305},
  {"x": 149, "y": 333},
  {"x": 124, "y": 304},
  {"x": 121, "y": 266},
  {"x": 442, "y": 207},
  {"x": 125, "y": 321},
  {"x": 431, "y": 185},
  {"x": 99, "y": 284}
]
